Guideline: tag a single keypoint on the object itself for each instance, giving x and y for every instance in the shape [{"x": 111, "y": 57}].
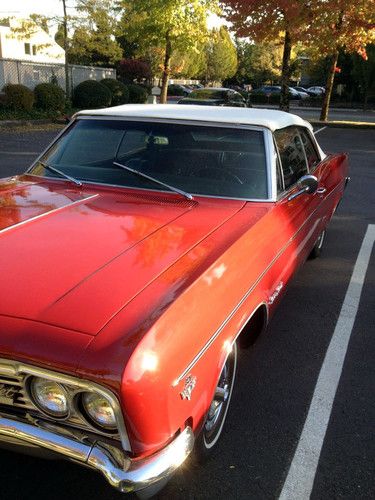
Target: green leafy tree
[
  {"x": 167, "y": 24},
  {"x": 221, "y": 56},
  {"x": 93, "y": 42},
  {"x": 258, "y": 63}
]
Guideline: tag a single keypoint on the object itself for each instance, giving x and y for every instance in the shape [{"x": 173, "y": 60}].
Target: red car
[{"x": 137, "y": 254}]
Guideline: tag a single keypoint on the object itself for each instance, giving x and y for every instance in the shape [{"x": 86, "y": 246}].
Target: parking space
[{"x": 277, "y": 377}]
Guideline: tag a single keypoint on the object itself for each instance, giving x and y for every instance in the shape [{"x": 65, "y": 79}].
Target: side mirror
[{"x": 307, "y": 184}]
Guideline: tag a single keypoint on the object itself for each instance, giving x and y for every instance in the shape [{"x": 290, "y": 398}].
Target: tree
[
  {"x": 221, "y": 56},
  {"x": 364, "y": 73},
  {"x": 258, "y": 63},
  {"x": 93, "y": 41},
  {"x": 168, "y": 24},
  {"x": 341, "y": 25},
  {"x": 265, "y": 20}
]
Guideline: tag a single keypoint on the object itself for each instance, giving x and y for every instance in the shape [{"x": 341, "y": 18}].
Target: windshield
[{"x": 214, "y": 161}]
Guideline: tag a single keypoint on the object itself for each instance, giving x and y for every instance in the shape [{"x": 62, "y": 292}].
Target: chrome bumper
[{"x": 131, "y": 475}]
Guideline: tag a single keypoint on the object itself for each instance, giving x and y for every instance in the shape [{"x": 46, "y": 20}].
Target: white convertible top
[{"x": 271, "y": 119}]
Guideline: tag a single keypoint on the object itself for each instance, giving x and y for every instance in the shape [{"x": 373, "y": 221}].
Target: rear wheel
[
  {"x": 317, "y": 250},
  {"x": 218, "y": 410}
]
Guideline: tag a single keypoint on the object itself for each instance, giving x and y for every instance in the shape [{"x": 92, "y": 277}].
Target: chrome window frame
[
  {"x": 283, "y": 194},
  {"x": 267, "y": 138}
]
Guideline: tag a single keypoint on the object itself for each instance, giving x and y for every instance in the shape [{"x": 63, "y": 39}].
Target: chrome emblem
[
  {"x": 190, "y": 383},
  {"x": 275, "y": 294},
  {"x": 7, "y": 394}
]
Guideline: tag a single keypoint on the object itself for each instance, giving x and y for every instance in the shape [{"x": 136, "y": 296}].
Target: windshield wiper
[
  {"x": 62, "y": 174},
  {"x": 157, "y": 181}
]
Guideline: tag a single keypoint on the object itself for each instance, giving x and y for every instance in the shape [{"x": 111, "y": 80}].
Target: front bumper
[{"x": 123, "y": 473}]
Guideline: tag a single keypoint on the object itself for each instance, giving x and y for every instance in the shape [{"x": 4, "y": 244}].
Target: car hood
[{"x": 74, "y": 257}]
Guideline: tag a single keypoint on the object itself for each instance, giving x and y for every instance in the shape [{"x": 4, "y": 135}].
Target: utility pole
[{"x": 65, "y": 25}]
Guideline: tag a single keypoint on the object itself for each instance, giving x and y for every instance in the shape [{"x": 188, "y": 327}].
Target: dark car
[
  {"x": 215, "y": 97},
  {"x": 268, "y": 90}
]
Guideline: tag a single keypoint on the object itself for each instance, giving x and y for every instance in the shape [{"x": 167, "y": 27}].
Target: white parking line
[
  {"x": 319, "y": 130},
  {"x": 299, "y": 482}
]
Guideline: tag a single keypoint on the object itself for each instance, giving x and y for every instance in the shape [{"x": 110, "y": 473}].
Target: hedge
[
  {"x": 18, "y": 97},
  {"x": 119, "y": 91},
  {"x": 49, "y": 96},
  {"x": 91, "y": 94},
  {"x": 137, "y": 94}
]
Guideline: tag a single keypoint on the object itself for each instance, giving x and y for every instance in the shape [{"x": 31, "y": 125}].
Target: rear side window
[{"x": 292, "y": 155}]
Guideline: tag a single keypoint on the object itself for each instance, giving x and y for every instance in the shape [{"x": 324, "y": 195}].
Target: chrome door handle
[{"x": 321, "y": 190}]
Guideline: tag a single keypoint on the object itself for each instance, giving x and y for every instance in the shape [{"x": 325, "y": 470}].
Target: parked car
[
  {"x": 269, "y": 90},
  {"x": 302, "y": 93},
  {"x": 316, "y": 90},
  {"x": 304, "y": 90},
  {"x": 178, "y": 90},
  {"x": 215, "y": 97},
  {"x": 138, "y": 253}
]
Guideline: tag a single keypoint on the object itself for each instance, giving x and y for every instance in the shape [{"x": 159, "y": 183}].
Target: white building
[{"x": 24, "y": 40}]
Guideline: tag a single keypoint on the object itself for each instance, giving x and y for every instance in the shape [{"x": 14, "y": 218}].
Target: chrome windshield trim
[{"x": 12, "y": 367}]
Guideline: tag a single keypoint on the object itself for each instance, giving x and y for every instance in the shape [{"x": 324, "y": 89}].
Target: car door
[{"x": 300, "y": 216}]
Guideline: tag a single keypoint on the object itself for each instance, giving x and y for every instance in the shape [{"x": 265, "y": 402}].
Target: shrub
[
  {"x": 119, "y": 91},
  {"x": 49, "y": 96},
  {"x": 91, "y": 94},
  {"x": 134, "y": 69},
  {"x": 18, "y": 97},
  {"x": 137, "y": 94}
]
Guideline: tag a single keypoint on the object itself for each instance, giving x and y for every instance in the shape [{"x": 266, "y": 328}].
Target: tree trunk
[
  {"x": 67, "y": 79},
  {"x": 166, "y": 70},
  {"x": 329, "y": 87},
  {"x": 285, "y": 73}
]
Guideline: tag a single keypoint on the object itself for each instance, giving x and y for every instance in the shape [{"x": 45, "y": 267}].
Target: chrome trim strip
[
  {"x": 40, "y": 216},
  {"x": 127, "y": 476},
  {"x": 15, "y": 368},
  {"x": 233, "y": 312}
]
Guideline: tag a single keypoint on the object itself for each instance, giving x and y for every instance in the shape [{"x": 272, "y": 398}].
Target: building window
[
  {"x": 34, "y": 50},
  {"x": 27, "y": 48}
]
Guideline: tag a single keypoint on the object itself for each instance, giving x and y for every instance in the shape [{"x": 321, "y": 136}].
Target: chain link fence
[{"x": 31, "y": 74}]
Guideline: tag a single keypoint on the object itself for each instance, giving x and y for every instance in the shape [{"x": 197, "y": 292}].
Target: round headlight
[
  {"x": 50, "y": 397},
  {"x": 99, "y": 410}
]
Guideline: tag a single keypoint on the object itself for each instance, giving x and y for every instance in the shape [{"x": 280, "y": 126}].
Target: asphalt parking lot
[{"x": 277, "y": 378}]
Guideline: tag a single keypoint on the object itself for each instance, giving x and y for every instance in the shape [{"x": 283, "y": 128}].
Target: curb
[
  {"x": 341, "y": 124},
  {"x": 30, "y": 123}
]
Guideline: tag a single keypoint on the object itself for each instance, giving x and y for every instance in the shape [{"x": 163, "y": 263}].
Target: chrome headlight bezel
[{"x": 75, "y": 386}]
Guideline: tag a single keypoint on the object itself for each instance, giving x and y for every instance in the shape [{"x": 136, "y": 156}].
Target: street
[{"x": 277, "y": 377}]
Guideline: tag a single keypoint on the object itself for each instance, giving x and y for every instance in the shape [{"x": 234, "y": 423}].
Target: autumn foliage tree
[
  {"x": 341, "y": 25},
  {"x": 267, "y": 20},
  {"x": 168, "y": 24}
]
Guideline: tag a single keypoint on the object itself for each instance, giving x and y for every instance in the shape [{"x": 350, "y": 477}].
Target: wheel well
[{"x": 254, "y": 327}]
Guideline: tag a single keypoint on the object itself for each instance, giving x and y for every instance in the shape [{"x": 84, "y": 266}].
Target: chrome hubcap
[{"x": 219, "y": 402}]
